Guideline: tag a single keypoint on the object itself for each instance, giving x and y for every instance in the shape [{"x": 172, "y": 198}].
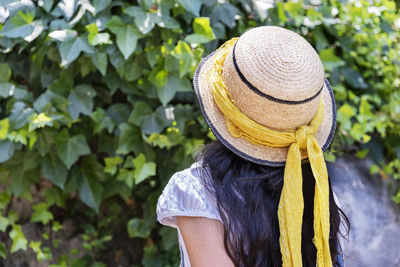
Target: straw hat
[{"x": 276, "y": 78}]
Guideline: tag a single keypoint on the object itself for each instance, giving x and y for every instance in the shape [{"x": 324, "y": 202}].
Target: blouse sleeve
[{"x": 184, "y": 195}]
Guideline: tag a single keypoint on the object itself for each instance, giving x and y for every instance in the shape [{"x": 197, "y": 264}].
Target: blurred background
[{"x": 97, "y": 111}]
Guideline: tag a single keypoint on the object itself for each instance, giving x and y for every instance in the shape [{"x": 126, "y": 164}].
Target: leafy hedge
[{"x": 96, "y": 97}]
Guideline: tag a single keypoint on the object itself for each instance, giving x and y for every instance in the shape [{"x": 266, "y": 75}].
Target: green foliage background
[{"x": 96, "y": 97}]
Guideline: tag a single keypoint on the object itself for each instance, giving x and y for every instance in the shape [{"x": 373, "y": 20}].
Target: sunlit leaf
[
  {"x": 143, "y": 169},
  {"x": 19, "y": 241},
  {"x": 203, "y": 32},
  {"x": 41, "y": 214},
  {"x": 4, "y": 125}
]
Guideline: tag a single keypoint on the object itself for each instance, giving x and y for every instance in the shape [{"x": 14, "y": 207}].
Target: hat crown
[{"x": 274, "y": 76}]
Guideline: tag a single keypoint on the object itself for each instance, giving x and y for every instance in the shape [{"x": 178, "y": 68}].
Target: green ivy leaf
[
  {"x": 49, "y": 100},
  {"x": 330, "y": 60},
  {"x": 168, "y": 235},
  {"x": 20, "y": 114},
  {"x": 112, "y": 164},
  {"x": 138, "y": 228},
  {"x": 4, "y": 125},
  {"x": 159, "y": 140},
  {"x": 193, "y": 6},
  {"x": 18, "y": 93},
  {"x": 203, "y": 32},
  {"x": 296, "y": 11},
  {"x": 127, "y": 176},
  {"x": 119, "y": 112},
  {"x": 90, "y": 190},
  {"x": 115, "y": 24},
  {"x": 139, "y": 113},
  {"x": 7, "y": 149},
  {"x": 5, "y": 75},
  {"x": 46, "y": 4},
  {"x": 134, "y": 68},
  {"x": 158, "y": 77},
  {"x": 155, "y": 123},
  {"x": 35, "y": 246},
  {"x": 319, "y": 38},
  {"x": 102, "y": 121},
  {"x": 3, "y": 250},
  {"x": 149, "y": 121},
  {"x": 6, "y": 89},
  {"x": 45, "y": 139},
  {"x": 39, "y": 121},
  {"x": 346, "y": 112},
  {"x": 81, "y": 100},
  {"x": 100, "y": 5},
  {"x": 23, "y": 170},
  {"x": 174, "y": 84},
  {"x": 4, "y": 223},
  {"x": 91, "y": 167},
  {"x": 4, "y": 174},
  {"x": 183, "y": 52},
  {"x": 168, "y": 22},
  {"x": 354, "y": 78},
  {"x": 41, "y": 214},
  {"x": 281, "y": 12},
  {"x": 71, "y": 49},
  {"x": 145, "y": 21},
  {"x": 143, "y": 169},
  {"x": 19, "y": 241},
  {"x": 225, "y": 13},
  {"x": 63, "y": 85},
  {"x": 130, "y": 139},
  {"x": 54, "y": 170},
  {"x": 100, "y": 61},
  {"x": 22, "y": 26},
  {"x": 117, "y": 188},
  {"x": 5, "y": 198},
  {"x": 54, "y": 196},
  {"x": 93, "y": 31},
  {"x": 127, "y": 35},
  {"x": 71, "y": 148},
  {"x": 96, "y": 38}
]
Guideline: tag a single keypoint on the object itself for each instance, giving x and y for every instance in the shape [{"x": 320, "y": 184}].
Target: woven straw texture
[{"x": 275, "y": 77}]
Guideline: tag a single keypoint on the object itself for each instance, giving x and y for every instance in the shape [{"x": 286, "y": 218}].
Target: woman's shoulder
[{"x": 186, "y": 195}]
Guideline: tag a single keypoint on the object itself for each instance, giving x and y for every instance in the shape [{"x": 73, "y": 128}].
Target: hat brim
[{"x": 259, "y": 154}]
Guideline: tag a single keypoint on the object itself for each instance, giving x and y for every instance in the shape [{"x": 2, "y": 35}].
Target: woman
[{"x": 260, "y": 195}]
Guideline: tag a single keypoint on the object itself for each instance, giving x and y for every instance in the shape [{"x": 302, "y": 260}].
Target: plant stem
[{"x": 53, "y": 252}]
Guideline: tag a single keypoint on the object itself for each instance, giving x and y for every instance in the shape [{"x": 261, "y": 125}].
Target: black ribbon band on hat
[{"x": 269, "y": 97}]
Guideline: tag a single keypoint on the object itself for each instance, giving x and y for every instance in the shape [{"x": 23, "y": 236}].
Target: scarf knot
[{"x": 301, "y": 134}]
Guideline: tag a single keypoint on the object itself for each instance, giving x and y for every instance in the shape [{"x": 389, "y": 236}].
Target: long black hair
[{"x": 247, "y": 196}]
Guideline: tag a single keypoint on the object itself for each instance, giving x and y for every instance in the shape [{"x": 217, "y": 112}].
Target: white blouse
[{"x": 185, "y": 195}]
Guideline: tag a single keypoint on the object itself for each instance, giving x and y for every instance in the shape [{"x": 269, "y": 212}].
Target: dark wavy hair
[{"x": 247, "y": 197}]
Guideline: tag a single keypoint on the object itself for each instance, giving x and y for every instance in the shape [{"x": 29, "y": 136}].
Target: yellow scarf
[{"x": 291, "y": 204}]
